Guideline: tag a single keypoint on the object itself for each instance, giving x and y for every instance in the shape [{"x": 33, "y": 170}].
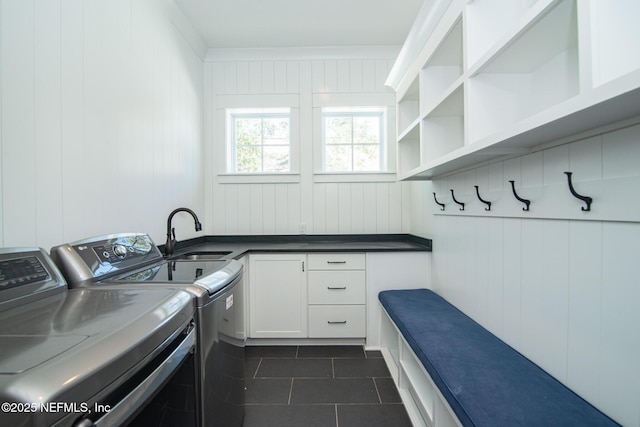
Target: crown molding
[{"x": 303, "y": 53}]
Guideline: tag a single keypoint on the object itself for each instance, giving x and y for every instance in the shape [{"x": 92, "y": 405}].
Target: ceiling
[{"x": 300, "y": 23}]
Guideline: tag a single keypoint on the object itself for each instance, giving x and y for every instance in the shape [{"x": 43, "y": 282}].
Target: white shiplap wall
[
  {"x": 558, "y": 284},
  {"x": 101, "y": 119},
  {"x": 281, "y": 208}
]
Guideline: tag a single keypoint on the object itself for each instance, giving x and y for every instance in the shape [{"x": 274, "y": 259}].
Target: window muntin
[
  {"x": 260, "y": 140},
  {"x": 353, "y": 139}
]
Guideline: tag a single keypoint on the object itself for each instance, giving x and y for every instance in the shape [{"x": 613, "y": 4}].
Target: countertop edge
[{"x": 244, "y": 244}]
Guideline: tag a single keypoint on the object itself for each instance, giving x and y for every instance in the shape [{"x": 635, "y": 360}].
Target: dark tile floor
[{"x": 320, "y": 386}]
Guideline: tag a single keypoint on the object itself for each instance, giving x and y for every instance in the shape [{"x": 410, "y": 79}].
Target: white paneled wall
[
  {"x": 283, "y": 208},
  {"x": 558, "y": 284},
  {"x": 101, "y": 119}
]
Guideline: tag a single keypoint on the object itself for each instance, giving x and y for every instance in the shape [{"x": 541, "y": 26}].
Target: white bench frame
[{"x": 425, "y": 404}]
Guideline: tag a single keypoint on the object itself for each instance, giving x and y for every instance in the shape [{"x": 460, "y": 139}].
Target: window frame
[
  {"x": 352, "y": 112},
  {"x": 219, "y": 132},
  {"x": 252, "y": 113},
  {"x": 386, "y": 100}
]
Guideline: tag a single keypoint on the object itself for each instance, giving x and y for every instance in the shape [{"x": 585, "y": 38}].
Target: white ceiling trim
[
  {"x": 302, "y": 53},
  {"x": 186, "y": 29},
  {"x": 428, "y": 19}
]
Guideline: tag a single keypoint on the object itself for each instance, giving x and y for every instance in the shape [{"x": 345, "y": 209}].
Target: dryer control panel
[
  {"x": 21, "y": 271},
  {"x": 26, "y": 272}
]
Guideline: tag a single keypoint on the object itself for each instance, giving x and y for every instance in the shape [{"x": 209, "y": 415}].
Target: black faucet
[{"x": 170, "y": 244}]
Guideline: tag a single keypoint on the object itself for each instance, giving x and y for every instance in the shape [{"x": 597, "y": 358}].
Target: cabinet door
[{"x": 278, "y": 296}]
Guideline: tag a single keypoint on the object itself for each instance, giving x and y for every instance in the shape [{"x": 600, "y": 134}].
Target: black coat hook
[
  {"x": 520, "y": 199},
  {"x": 488, "y": 208},
  {"x": 587, "y": 200},
  {"x": 442, "y": 205},
  {"x": 454, "y": 199}
]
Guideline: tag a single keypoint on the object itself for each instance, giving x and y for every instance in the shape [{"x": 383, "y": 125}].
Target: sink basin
[{"x": 202, "y": 256}]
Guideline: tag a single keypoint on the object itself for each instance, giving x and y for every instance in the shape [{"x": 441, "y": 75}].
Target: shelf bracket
[
  {"x": 586, "y": 199},
  {"x": 442, "y": 205},
  {"x": 454, "y": 199},
  {"x": 520, "y": 199},
  {"x": 488, "y": 208}
]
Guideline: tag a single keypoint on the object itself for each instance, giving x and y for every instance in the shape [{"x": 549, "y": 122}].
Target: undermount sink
[{"x": 202, "y": 256}]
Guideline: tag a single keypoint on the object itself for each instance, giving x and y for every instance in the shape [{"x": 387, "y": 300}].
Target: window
[
  {"x": 258, "y": 140},
  {"x": 353, "y": 139}
]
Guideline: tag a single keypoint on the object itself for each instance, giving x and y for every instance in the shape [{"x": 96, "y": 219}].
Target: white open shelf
[
  {"x": 444, "y": 68},
  {"x": 422, "y": 392},
  {"x": 408, "y": 109},
  {"x": 614, "y": 102},
  {"x": 489, "y": 21},
  {"x": 536, "y": 71},
  {"x": 409, "y": 148},
  {"x": 443, "y": 128}
]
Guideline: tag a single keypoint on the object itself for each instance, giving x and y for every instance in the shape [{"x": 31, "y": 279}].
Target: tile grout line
[
  {"x": 375, "y": 384},
  {"x": 336, "y": 409},
  {"x": 290, "y": 392},
  {"x": 255, "y": 373}
]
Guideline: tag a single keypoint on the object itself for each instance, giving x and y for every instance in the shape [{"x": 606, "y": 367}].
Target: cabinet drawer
[
  {"x": 337, "y": 321},
  {"x": 336, "y": 287},
  {"x": 336, "y": 261}
]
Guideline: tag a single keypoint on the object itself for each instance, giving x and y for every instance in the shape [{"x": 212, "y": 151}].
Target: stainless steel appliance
[
  {"x": 87, "y": 356},
  {"x": 133, "y": 261}
]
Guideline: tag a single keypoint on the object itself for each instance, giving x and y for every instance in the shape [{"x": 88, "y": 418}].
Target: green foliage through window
[
  {"x": 260, "y": 142},
  {"x": 353, "y": 140}
]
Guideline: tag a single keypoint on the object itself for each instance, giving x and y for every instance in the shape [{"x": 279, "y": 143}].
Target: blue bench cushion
[{"x": 486, "y": 382}]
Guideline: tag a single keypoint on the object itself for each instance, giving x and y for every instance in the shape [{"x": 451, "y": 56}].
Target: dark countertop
[{"x": 241, "y": 245}]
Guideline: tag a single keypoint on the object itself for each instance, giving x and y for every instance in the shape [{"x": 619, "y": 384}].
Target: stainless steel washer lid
[{"x": 119, "y": 328}]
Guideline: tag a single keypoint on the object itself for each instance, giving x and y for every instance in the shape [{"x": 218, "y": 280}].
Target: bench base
[{"x": 423, "y": 401}]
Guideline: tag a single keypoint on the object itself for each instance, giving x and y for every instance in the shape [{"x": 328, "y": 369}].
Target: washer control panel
[
  {"x": 115, "y": 252},
  {"x": 100, "y": 256}
]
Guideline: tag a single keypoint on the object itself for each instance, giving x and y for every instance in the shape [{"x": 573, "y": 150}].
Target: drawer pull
[
  {"x": 336, "y": 323},
  {"x": 336, "y": 287},
  {"x": 336, "y": 262}
]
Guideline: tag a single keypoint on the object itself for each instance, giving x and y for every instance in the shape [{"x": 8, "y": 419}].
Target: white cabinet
[
  {"x": 324, "y": 296},
  {"x": 496, "y": 78},
  {"x": 337, "y": 295},
  {"x": 278, "y": 296}
]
